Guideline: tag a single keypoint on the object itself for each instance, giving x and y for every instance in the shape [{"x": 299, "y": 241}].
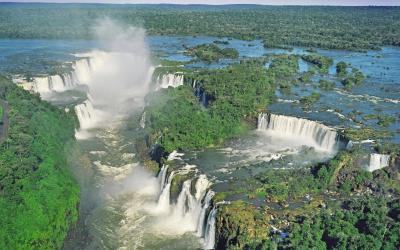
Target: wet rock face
[
  {"x": 157, "y": 153},
  {"x": 176, "y": 186},
  {"x": 240, "y": 226}
]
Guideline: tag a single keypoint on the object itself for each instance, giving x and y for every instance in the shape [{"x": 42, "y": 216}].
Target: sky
[{"x": 267, "y": 2}]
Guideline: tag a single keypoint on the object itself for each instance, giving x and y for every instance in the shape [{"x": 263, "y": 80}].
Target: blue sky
[{"x": 272, "y": 2}]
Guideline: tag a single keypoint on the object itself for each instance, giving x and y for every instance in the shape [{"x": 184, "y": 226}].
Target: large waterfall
[
  {"x": 169, "y": 80},
  {"x": 191, "y": 206},
  {"x": 310, "y": 133},
  {"x": 58, "y": 83},
  {"x": 378, "y": 161}
]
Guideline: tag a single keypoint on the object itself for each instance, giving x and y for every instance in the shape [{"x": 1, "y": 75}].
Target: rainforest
[{"x": 199, "y": 126}]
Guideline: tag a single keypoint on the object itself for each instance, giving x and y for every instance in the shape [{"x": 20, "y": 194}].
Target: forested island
[{"x": 215, "y": 127}]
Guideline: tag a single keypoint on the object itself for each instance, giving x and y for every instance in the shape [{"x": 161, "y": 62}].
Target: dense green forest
[
  {"x": 38, "y": 195},
  {"x": 212, "y": 53},
  {"x": 177, "y": 120},
  {"x": 354, "y": 28},
  {"x": 345, "y": 207}
]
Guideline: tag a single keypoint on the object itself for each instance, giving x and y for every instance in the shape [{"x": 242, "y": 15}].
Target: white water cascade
[
  {"x": 192, "y": 204},
  {"x": 45, "y": 85},
  {"x": 162, "y": 175},
  {"x": 163, "y": 203},
  {"x": 169, "y": 80},
  {"x": 85, "y": 113},
  {"x": 82, "y": 68},
  {"x": 206, "y": 204},
  {"x": 378, "y": 161},
  {"x": 209, "y": 236},
  {"x": 308, "y": 132}
]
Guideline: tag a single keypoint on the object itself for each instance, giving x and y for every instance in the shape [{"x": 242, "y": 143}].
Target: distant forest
[{"x": 352, "y": 28}]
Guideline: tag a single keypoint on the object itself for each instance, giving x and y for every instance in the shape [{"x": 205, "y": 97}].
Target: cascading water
[
  {"x": 162, "y": 175},
  {"x": 378, "y": 161},
  {"x": 209, "y": 235},
  {"x": 163, "y": 203},
  {"x": 311, "y": 133},
  {"x": 169, "y": 80},
  {"x": 45, "y": 85},
  {"x": 191, "y": 207},
  {"x": 206, "y": 204},
  {"x": 82, "y": 69}
]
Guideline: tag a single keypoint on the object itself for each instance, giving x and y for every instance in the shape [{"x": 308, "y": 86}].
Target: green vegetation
[
  {"x": 361, "y": 224},
  {"x": 386, "y": 121},
  {"x": 311, "y": 99},
  {"x": 341, "y": 69},
  {"x": 352, "y": 28},
  {"x": 360, "y": 219},
  {"x": 306, "y": 76},
  {"x": 321, "y": 62},
  {"x": 234, "y": 94},
  {"x": 286, "y": 185},
  {"x": 334, "y": 205},
  {"x": 326, "y": 84},
  {"x": 212, "y": 53},
  {"x": 383, "y": 120},
  {"x": 364, "y": 133},
  {"x": 283, "y": 68},
  {"x": 355, "y": 78},
  {"x": 38, "y": 196},
  {"x": 239, "y": 226}
]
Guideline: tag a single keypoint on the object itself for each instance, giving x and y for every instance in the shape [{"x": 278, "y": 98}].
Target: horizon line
[{"x": 194, "y": 4}]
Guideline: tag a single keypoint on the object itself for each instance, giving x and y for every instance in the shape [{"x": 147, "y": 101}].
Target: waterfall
[
  {"x": 190, "y": 209},
  {"x": 85, "y": 113},
  {"x": 143, "y": 120},
  {"x": 185, "y": 202},
  {"x": 206, "y": 204},
  {"x": 309, "y": 132},
  {"x": 82, "y": 69},
  {"x": 80, "y": 74},
  {"x": 162, "y": 175},
  {"x": 43, "y": 85},
  {"x": 378, "y": 161},
  {"x": 200, "y": 93},
  {"x": 163, "y": 203},
  {"x": 169, "y": 80},
  {"x": 209, "y": 235},
  {"x": 189, "y": 206}
]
